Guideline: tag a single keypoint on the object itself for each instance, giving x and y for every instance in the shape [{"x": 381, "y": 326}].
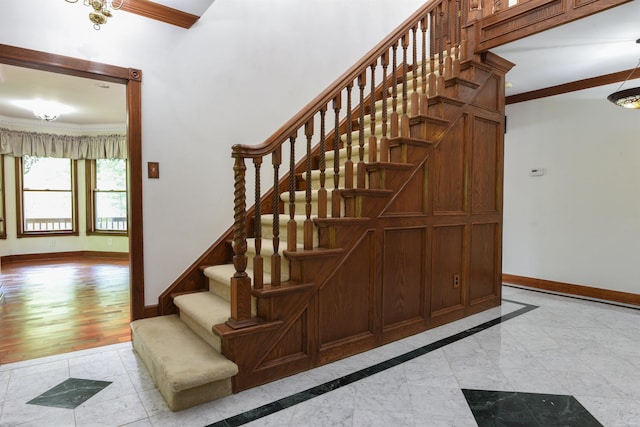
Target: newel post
[{"x": 240, "y": 282}]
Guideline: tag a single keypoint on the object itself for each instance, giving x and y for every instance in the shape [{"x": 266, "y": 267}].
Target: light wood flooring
[{"x": 57, "y": 306}]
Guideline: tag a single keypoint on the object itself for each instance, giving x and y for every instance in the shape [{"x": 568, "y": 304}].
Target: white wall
[
  {"x": 580, "y": 222},
  {"x": 235, "y": 77}
]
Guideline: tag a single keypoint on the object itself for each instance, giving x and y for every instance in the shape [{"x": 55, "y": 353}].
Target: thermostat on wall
[{"x": 536, "y": 172}]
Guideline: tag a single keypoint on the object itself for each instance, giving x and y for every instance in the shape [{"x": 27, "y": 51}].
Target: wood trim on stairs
[{"x": 572, "y": 289}]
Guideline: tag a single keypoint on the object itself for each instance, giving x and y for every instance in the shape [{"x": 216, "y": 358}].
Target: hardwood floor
[{"x": 58, "y": 306}]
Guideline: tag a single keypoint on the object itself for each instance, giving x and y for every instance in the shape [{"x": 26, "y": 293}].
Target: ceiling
[{"x": 600, "y": 44}]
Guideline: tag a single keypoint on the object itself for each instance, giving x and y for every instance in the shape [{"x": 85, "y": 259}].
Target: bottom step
[{"x": 186, "y": 370}]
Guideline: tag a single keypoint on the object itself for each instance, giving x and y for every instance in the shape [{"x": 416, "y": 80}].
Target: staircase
[{"x": 387, "y": 225}]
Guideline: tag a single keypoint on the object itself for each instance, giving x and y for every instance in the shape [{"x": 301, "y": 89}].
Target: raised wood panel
[
  {"x": 346, "y": 299},
  {"x": 450, "y": 171},
  {"x": 484, "y": 278},
  {"x": 489, "y": 96},
  {"x": 403, "y": 278},
  {"x": 447, "y": 263},
  {"x": 412, "y": 198},
  {"x": 294, "y": 342},
  {"x": 485, "y": 162}
]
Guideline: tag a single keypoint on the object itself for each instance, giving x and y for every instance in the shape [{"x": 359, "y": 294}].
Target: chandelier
[
  {"x": 101, "y": 10},
  {"x": 628, "y": 98}
]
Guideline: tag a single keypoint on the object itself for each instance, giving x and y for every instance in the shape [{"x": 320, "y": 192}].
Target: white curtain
[{"x": 18, "y": 144}]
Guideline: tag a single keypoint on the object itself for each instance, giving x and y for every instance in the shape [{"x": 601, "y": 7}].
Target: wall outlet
[
  {"x": 109, "y": 241},
  {"x": 52, "y": 243},
  {"x": 456, "y": 281}
]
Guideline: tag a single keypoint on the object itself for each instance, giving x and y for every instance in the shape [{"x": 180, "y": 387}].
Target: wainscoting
[{"x": 60, "y": 305}]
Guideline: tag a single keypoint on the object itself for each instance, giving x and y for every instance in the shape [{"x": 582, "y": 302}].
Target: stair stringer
[{"x": 265, "y": 353}]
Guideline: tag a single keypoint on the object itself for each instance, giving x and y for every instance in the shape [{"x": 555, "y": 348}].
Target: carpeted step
[
  {"x": 185, "y": 369},
  {"x": 267, "y": 225},
  {"x": 219, "y": 277},
  {"x": 200, "y": 311}
]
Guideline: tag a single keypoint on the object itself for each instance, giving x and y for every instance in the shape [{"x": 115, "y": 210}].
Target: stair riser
[{"x": 267, "y": 230}]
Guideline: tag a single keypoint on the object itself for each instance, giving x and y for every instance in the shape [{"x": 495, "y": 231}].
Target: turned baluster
[
  {"x": 432, "y": 55},
  {"x": 258, "y": 262},
  {"x": 404, "y": 123},
  {"x": 424, "y": 101},
  {"x": 292, "y": 227},
  {"x": 414, "y": 94},
  {"x": 456, "y": 41},
  {"x": 450, "y": 29},
  {"x": 276, "y": 160},
  {"x": 373, "y": 140},
  {"x": 322, "y": 193},
  {"x": 384, "y": 141},
  {"x": 394, "y": 90},
  {"x": 440, "y": 49},
  {"x": 308, "y": 224},
  {"x": 348, "y": 165},
  {"x": 240, "y": 282},
  {"x": 361, "y": 169},
  {"x": 335, "y": 193}
]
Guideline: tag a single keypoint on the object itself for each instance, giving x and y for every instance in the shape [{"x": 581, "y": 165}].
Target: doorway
[{"x": 132, "y": 79}]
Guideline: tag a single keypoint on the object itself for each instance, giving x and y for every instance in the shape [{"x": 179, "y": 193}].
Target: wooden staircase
[{"x": 387, "y": 225}]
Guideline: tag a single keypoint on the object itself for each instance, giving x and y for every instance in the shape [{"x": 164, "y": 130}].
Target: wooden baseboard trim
[
  {"x": 571, "y": 289},
  {"x": 150, "y": 311},
  {"x": 8, "y": 259}
]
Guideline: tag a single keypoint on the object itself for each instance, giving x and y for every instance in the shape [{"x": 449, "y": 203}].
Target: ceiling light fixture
[
  {"x": 48, "y": 117},
  {"x": 44, "y": 110},
  {"x": 101, "y": 10},
  {"x": 628, "y": 98}
]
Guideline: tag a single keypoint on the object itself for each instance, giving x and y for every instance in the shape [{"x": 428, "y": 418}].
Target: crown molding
[{"x": 159, "y": 12}]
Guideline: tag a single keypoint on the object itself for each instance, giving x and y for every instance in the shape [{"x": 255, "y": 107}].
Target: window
[
  {"x": 107, "y": 196},
  {"x": 47, "y": 202}
]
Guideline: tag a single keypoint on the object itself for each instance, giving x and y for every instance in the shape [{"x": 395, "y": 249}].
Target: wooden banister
[{"x": 350, "y": 122}]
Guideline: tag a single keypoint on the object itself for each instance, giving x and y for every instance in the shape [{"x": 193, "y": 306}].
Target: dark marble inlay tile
[
  {"x": 70, "y": 393},
  {"x": 504, "y": 408},
  {"x": 303, "y": 396}
]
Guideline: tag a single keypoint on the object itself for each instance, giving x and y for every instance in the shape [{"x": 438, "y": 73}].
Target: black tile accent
[
  {"x": 70, "y": 393},
  {"x": 505, "y": 408},
  {"x": 308, "y": 394}
]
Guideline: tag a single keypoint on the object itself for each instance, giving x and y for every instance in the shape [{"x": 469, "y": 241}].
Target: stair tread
[
  {"x": 205, "y": 308},
  {"x": 178, "y": 353}
]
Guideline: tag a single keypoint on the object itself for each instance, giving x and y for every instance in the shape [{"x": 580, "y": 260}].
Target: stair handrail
[{"x": 312, "y": 108}]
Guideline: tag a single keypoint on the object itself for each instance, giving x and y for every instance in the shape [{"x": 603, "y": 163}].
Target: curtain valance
[{"x": 19, "y": 143}]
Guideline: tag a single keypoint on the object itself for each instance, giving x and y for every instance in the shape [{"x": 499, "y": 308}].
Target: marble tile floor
[{"x": 539, "y": 359}]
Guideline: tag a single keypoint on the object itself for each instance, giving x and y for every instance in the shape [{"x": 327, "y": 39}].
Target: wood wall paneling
[
  {"x": 447, "y": 263},
  {"x": 403, "y": 278},
  {"x": 346, "y": 299},
  {"x": 449, "y": 163},
  {"x": 484, "y": 262},
  {"x": 485, "y": 162},
  {"x": 413, "y": 196}
]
